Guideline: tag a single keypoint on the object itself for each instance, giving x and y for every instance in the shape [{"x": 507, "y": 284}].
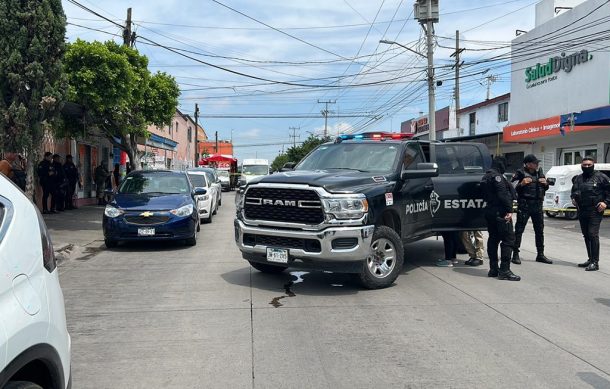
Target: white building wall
[
  {"x": 486, "y": 120},
  {"x": 586, "y": 86}
]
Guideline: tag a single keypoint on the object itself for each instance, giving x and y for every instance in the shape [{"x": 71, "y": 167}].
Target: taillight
[{"x": 48, "y": 254}]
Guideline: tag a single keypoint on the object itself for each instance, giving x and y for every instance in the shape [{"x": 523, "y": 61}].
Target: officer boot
[
  {"x": 542, "y": 258},
  {"x": 585, "y": 264},
  {"x": 593, "y": 266},
  {"x": 506, "y": 274},
  {"x": 516, "y": 260}
]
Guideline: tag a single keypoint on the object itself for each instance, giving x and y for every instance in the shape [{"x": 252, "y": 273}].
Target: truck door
[
  {"x": 457, "y": 187},
  {"x": 414, "y": 196}
]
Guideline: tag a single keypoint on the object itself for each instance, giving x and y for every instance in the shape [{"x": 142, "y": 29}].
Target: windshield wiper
[{"x": 345, "y": 168}]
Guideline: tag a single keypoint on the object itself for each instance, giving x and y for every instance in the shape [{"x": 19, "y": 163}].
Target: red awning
[{"x": 217, "y": 158}]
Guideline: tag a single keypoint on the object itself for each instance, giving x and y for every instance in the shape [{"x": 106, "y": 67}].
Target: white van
[
  {"x": 253, "y": 168},
  {"x": 557, "y": 201}
]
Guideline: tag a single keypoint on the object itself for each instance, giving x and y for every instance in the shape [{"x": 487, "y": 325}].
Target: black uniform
[
  {"x": 499, "y": 195},
  {"x": 588, "y": 190},
  {"x": 46, "y": 173},
  {"x": 60, "y": 185},
  {"x": 530, "y": 199},
  {"x": 72, "y": 176}
]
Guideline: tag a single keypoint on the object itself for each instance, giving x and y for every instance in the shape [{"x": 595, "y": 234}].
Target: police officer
[
  {"x": 591, "y": 195},
  {"x": 46, "y": 175},
  {"x": 530, "y": 185},
  {"x": 73, "y": 177},
  {"x": 499, "y": 195}
]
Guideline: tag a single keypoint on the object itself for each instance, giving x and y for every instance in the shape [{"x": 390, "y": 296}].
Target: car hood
[
  {"x": 144, "y": 202},
  {"x": 332, "y": 180}
]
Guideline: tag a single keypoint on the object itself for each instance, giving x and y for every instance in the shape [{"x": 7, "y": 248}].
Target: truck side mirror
[
  {"x": 288, "y": 166},
  {"x": 423, "y": 170}
]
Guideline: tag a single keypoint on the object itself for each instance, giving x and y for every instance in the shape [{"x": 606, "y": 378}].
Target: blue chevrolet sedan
[{"x": 153, "y": 205}]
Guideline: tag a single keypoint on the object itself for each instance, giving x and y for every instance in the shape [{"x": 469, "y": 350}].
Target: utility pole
[
  {"x": 325, "y": 113},
  {"x": 294, "y": 136},
  {"x": 426, "y": 12},
  {"x": 196, "y": 134},
  {"x": 490, "y": 80},
  {"x": 129, "y": 37},
  {"x": 457, "y": 66},
  {"x": 216, "y": 137}
]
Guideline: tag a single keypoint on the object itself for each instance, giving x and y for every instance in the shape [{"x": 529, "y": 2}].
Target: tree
[
  {"x": 32, "y": 86},
  {"x": 120, "y": 95},
  {"x": 297, "y": 153}
]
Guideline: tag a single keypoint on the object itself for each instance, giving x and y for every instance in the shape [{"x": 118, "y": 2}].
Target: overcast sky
[{"x": 296, "y": 53}]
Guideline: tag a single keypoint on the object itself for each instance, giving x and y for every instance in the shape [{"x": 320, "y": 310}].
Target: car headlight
[
  {"x": 346, "y": 208},
  {"x": 183, "y": 211},
  {"x": 113, "y": 212},
  {"x": 204, "y": 197},
  {"x": 239, "y": 199}
]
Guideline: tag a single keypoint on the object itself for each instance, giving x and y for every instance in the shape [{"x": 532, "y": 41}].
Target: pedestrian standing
[
  {"x": 46, "y": 176},
  {"x": 474, "y": 250},
  {"x": 591, "y": 196},
  {"x": 531, "y": 185},
  {"x": 19, "y": 172},
  {"x": 116, "y": 177},
  {"x": 60, "y": 183},
  {"x": 499, "y": 195},
  {"x": 100, "y": 174},
  {"x": 450, "y": 241},
  {"x": 73, "y": 178}
]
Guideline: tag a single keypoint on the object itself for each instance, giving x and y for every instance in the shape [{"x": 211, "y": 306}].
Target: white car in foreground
[
  {"x": 34, "y": 340},
  {"x": 207, "y": 204}
]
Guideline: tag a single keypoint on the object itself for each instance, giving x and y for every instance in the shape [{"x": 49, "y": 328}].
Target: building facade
[
  {"x": 558, "y": 71},
  {"x": 172, "y": 146},
  {"x": 444, "y": 121}
]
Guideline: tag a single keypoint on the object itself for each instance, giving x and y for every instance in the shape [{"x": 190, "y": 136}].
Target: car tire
[
  {"x": 269, "y": 269},
  {"x": 552, "y": 215},
  {"x": 111, "y": 243},
  {"x": 208, "y": 220},
  {"x": 220, "y": 202},
  {"x": 21, "y": 385},
  {"x": 192, "y": 241},
  {"x": 215, "y": 209},
  {"x": 381, "y": 268}
]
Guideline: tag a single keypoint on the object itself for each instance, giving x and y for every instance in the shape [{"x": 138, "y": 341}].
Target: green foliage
[
  {"x": 120, "y": 95},
  {"x": 32, "y": 87},
  {"x": 297, "y": 153}
]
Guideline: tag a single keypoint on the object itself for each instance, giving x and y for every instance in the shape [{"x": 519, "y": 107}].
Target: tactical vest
[
  {"x": 591, "y": 191},
  {"x": 533, "y": 191}
]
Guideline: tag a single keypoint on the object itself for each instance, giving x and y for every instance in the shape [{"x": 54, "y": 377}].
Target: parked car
[
  {"x": 557, "y": 200},
  {"x": 153, "y": 205},
  {"x": 213, "y": 179},
  {"x": 34, "y": 340},
  {"x": 207, "y": 204},
  {"x": 225, "y": 179}
]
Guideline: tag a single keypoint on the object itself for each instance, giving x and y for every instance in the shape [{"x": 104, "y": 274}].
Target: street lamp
[{"x": 387, "y": 42}]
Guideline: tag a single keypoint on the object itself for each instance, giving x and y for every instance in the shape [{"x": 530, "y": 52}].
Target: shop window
[
  {"x": 190, "y": 134},
  {"x": 574, "y": 157},
  {"x": 503, "y": 112}
]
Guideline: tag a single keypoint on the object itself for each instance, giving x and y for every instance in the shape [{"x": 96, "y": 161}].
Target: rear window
[
  {"x": 198, "y": 180},
  {"x": 459, "y": 159}
]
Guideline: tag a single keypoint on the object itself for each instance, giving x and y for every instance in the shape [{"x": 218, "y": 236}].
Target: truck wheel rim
[{"x": 382, "y": 259}]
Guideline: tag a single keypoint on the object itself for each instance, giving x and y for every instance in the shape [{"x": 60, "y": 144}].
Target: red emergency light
[{"x": 374, "y": 136}]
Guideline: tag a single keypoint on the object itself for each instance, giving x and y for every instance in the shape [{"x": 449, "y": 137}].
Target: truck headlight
[
  {"x": 183, "y": 211},
  {"x": 346, "y": 208},
  {"x": 113, "y": 212},
  {"x": 239, "y": 199}
]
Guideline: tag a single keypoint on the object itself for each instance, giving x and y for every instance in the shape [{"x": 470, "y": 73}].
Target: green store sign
[{"x": 557, "y": 64}]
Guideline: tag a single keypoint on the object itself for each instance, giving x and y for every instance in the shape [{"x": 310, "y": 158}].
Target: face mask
[{"x": 588, "y": 170}]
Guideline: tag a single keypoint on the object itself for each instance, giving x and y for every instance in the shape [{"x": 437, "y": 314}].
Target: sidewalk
[{"x": 73, "y": 231}]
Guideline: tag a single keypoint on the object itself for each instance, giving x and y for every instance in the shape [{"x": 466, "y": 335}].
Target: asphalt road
[{"x": 169, "y": 316}]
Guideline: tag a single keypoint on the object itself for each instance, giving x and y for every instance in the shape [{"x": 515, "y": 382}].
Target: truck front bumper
[{"x": 334, "y": 248}]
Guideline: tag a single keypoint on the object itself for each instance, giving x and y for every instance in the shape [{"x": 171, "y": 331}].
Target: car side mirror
[
  {"x": 242, "y": 181},
  {"x": 288, "y": 166},
  {"x": 199, "y": 191},
  {"x": 423, "y": 170}
]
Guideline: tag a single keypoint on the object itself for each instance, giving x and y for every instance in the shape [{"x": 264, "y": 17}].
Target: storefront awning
[
  {"x": 590, "y": 117},
  {"x": 161, "y": 142}
]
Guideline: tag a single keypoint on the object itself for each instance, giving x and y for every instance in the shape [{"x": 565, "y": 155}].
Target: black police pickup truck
[{"x": 350, "y": 205}]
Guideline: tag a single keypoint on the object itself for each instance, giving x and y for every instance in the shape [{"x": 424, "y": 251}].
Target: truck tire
[
  {"x": 385, "y": 261},
  {"x": 270, "y": 269},
  {"x": 572, "y": 215},
  {"x": 551, "y": 214},
  {"x": 21, "y": 385}
]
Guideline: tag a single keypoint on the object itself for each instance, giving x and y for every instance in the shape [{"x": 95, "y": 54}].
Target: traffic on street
[{"x": 356, "y": 194}]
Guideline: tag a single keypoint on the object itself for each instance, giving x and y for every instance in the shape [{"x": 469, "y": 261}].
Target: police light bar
[{"x": 374, "y": 136}]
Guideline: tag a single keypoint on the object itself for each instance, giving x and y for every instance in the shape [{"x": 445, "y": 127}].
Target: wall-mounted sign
[
  {"x": 547, "y": 72},
  {"x": 538, "y": 129}
]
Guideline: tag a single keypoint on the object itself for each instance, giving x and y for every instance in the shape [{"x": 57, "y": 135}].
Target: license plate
[
  {"x": 146, "y": 231},
  {"x": 277, "y": 255}
]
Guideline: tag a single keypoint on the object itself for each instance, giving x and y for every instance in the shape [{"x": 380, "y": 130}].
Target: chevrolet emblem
[{"x": 147, "y": 214}]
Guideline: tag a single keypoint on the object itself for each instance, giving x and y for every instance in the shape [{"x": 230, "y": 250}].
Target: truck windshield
[
  {"x": 255, "y": 170},
  {"x": 368, "y": 157}
]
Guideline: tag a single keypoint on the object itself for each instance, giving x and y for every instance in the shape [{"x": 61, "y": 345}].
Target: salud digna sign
[{"x": 536, "y": 74}]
